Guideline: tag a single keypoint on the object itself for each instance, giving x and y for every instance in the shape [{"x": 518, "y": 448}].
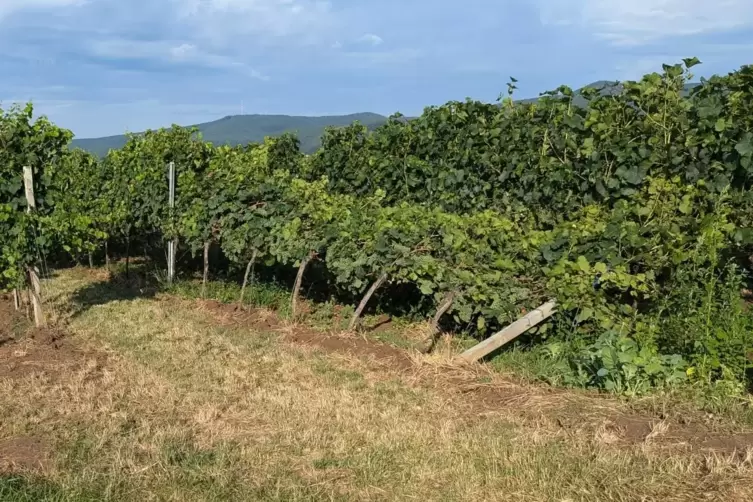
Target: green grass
[
  {"x": 34, "y": 488},
  {"x": 535, "y": 364},
  {"x": 259, "y": 295}
]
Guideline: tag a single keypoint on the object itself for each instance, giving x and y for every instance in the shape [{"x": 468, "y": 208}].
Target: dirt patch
[
  {"x": 13, "y": 323},
  {"x": 597, "y": 416},
  {"x": 228, "y": 314},
  {"x": 741, "y": 444},
  {"x": 353, "y": 345},
  {"x": 47, "y": 353},
  {"x": 632, "y": 428},
  {"x": 485, "y": 398},
  {"x": 23, "y": 454},
  {"x": 266, "y": 320},
  {"x": 25, "y": 350},
  {"x": 638, "y": 429},
  {"x": 383, "y": 324}
]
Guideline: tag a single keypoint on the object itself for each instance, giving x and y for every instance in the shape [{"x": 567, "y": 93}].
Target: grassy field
[{"x": 140, "y": 396}]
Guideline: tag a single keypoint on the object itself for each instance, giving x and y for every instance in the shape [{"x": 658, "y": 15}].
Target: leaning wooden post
[
  {"x": 357, "y": 315},
  {"x": 510, "y": 333},
  {"x": 35, "y": 291}
]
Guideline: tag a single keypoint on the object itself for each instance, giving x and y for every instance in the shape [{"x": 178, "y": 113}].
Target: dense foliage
[
  {"x": 633, "y": 211},
  {"x": 28, "y": 237}
]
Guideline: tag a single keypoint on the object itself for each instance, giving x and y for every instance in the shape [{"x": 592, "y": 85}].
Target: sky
[{"x": 104, "y": 67}]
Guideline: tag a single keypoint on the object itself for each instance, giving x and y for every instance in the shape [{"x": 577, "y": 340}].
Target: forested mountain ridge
[{"x": 244, "y": 129}]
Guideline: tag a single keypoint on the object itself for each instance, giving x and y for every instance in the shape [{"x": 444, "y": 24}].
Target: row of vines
[{"x": 632, "y": 211}]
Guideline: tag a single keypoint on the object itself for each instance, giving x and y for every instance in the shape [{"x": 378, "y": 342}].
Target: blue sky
[{"x": 101, "y": 67}]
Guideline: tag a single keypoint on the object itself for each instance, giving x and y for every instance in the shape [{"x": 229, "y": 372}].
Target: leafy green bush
[{"x": 619, "y": 364}]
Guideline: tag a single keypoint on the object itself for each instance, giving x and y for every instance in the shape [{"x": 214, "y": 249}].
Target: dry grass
[{"x": 188, "y": 409}]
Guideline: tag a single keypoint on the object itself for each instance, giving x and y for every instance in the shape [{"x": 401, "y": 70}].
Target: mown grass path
[{"x": 162, "y": 398}]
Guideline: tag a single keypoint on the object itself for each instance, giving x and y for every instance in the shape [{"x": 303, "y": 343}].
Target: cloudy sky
[{"x": 101, "y": 67}]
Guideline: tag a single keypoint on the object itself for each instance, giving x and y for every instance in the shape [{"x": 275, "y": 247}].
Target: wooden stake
[
  {"x": 35, "y": 292},
  {"x": 508, "y": 334},
  {"x": 206, "y": 269},
  {"x": 249, "y": 268},
  {"x": 357, "y": 315},
  {"x": 31, "y": 203},
  {"x": 441, "y": 310},
  {"x": 298, "y": 282},
  {"x": 16, "y": 299},
  {"x": 173, "y": 244},
  {"x": 35, "y": 288}
]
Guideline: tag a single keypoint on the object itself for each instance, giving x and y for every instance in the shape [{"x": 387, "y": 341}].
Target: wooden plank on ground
[{"x": 510, "y": 333}]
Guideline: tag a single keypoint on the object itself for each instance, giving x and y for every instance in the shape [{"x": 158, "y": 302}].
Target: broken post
[{"x": 510, "y": 333}]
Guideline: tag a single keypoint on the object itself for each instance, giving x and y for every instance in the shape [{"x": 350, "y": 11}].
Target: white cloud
[
  {"x": 171, "y": 52},
  {"x": 300, "y": 21},
  {"x": 637, "y": 22},
  {"x": 183, "y": 50},
  {"x": 221, "y": 22},
  {"x": 371, "y": 39},
  {"x": 8, "y": 7}
]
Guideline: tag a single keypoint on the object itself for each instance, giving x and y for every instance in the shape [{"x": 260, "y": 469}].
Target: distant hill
[{"x": 243, "y": 129}]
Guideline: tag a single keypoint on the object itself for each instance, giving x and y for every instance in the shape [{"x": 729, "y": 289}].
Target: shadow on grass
[{"x": 141, "y": 281}]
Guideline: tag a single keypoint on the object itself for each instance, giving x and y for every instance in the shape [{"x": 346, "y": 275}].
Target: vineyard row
[{"x": 633, "y": 212}]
